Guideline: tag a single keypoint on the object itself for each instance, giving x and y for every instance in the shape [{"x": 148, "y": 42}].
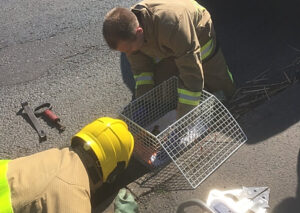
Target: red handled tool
[{"x": 45, "y": 110}]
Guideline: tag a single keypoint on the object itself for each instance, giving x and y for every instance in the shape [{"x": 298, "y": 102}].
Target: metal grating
[{"x": 198, "y": 143}]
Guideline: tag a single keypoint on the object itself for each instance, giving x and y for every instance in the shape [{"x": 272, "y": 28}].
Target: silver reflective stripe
[
  {"x": 143, "y": 78},
  {"x": 187, "y": 97},
  {"x": 207, "y": 48}
]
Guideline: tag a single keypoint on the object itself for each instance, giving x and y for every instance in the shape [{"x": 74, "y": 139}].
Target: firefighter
[
  {"x": 162, "y": 38},
  {"x": 63, "y": 180}
]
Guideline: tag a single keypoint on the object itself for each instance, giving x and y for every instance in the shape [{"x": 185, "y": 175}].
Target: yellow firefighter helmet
[{"x": 110, "y": 141}]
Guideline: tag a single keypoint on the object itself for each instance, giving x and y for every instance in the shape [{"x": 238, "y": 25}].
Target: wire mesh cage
[{"x": 197, "y": 143}]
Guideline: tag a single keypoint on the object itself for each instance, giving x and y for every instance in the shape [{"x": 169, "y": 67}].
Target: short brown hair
[{"x": 119, "y": 25}]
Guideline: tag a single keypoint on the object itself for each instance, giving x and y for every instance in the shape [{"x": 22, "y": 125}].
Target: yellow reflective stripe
[
  {"x": 143, "y": 79},
  {"x": 5, "y": 199},
  {"x": 189, "y": 102},
  {"x": 230, "y": 74},
  {"x": 189, "y": 93},
  {"x": 206, "y": 49},
  {"x": 188, "y": 97},
  {"x": 138, "y": 83}
]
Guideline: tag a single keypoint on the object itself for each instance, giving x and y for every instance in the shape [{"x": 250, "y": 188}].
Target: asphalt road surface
[{"x": 53, "y": 51}]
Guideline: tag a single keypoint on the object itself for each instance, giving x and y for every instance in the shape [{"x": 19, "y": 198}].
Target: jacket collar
[{"x": 144, "y": 17}]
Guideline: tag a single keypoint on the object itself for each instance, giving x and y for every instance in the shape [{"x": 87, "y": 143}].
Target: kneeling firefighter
[{"x": 63, "y": 180}]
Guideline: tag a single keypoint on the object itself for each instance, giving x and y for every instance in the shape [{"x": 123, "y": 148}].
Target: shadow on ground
[
  {"x": 126, "y": 73},
  {"x": 106, "y": 194},
  {"x": 256, "y": 36},
  {"x": 291, "y": 204},
  {"x": 275, "y": 116}
]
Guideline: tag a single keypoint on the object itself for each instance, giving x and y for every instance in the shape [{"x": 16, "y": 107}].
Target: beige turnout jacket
[
  {"x": 180, "y": 31},
  {"x": 50, "y": 181}
]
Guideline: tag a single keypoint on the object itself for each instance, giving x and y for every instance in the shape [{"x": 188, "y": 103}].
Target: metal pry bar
[{"x": 34, "y": 121}]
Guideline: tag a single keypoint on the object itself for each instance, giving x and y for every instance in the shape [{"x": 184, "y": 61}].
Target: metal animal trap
[{"x": 198, "y": 143}]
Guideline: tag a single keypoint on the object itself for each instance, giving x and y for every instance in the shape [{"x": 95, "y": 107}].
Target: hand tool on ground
[
  {"x": 34, "y": 120},
  {"x": 46, "y": 110}
]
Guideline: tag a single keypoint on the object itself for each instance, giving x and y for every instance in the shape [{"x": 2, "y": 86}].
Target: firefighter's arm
[
  {"x": 142, "y": 67},
  {"x": 183, "y": 41}
]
